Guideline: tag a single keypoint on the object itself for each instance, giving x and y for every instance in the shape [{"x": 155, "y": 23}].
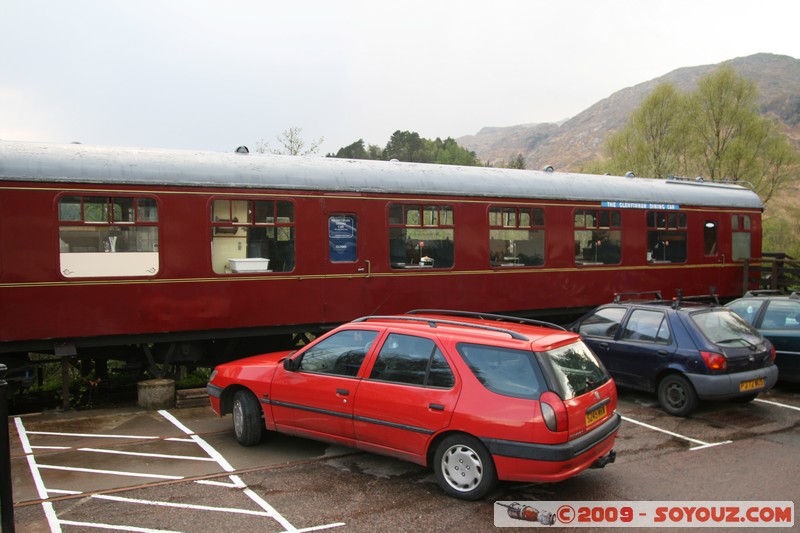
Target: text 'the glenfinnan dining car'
[{"x": 476, "y": 397}]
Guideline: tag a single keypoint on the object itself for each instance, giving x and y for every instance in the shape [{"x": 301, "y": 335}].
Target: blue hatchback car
[
  {"x": 776, "y": 317},
  {"x": 684, "y": 352}
]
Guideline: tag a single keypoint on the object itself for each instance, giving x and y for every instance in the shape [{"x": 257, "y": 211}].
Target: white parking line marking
[
  {"x": 110, "y": 472},
  {"x": 785, "y": 406},
  {"x": 143, "y": 454},
  {"x": 678, "y": 435},
  {"x": 116, "y": 528}
]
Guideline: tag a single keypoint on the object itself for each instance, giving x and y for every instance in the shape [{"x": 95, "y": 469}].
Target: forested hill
[{"x": 580, "y": 139}]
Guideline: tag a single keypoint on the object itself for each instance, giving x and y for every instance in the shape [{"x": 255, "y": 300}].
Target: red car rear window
[
  {"x": 576, "y": 368},
  {"x": 503, "y": 370}
]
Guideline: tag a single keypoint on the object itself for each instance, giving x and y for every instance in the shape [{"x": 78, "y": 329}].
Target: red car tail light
[
  {"x": 715, "y": 361},
  {"x": 554, "y": 411},
  {"x": 772, "y": 353}
]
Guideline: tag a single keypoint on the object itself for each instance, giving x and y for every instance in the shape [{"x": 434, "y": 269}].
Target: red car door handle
[
  {"x": 343, "y": 392},
  {"x": 436, "y": 406}
]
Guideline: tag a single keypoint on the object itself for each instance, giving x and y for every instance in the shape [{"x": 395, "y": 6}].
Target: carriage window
[
  {"x": 516, "y": 236},
  {"x": 710, "y": 237},
  {"x": 598, "y": 237},
  {"x": 421, "y": 236},
  {"x": 741, "y": 226},
  {"x": 108, "y": 236},
  {"x": 666, "y": 237},
  {"x": 252, "y": 236}
]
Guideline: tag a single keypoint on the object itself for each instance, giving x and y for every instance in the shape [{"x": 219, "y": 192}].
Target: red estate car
[{"x": 477, "y": 397}]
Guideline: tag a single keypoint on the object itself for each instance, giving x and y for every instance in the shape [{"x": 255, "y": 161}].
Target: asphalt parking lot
[{"x": 182, "y": 470}]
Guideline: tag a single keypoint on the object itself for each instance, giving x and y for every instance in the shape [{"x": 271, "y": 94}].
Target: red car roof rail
[
  {"x": 433, "y": 322},
  {"x": 487, "y": 316}
]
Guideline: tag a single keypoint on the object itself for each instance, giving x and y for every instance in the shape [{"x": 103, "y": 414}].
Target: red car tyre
[
  {"x": 464, "y": 468},
  {"x": 248, "y": 425}
]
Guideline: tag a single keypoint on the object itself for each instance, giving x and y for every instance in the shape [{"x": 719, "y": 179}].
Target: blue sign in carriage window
[{"x": 343, "y": 238}]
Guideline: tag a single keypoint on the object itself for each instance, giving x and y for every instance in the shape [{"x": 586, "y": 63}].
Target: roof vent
[
  {"x": 549, "y": 168},
  {"x": 242, "y": 150},
  {"x": 699, "y": 179},
  {"x": 630, "y": 174}
]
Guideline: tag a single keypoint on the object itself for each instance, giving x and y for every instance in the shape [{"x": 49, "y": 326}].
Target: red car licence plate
[{"x": 595, "y": 415}]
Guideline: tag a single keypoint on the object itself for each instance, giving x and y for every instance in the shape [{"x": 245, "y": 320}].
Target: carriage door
[
  {"x": 345, "y": 266},
  {"x": 741, "y": 241}
]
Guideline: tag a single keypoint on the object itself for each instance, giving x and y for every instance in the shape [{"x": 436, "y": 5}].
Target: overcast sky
[{"x": 213, "y": 75}]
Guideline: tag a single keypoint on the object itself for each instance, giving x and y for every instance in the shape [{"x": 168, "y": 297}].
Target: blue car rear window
[{"x": 724, "y": 326}]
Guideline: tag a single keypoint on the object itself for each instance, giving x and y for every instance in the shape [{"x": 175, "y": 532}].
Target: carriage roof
[{"x": 78, "y": 163}]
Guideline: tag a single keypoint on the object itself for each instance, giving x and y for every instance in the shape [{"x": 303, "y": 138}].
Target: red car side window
[
  {"x": 412, "y": 360},
  {"x": 342, "y": 353}
]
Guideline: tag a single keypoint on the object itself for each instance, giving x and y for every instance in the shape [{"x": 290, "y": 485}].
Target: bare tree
[{"x": 291, "y": 142}]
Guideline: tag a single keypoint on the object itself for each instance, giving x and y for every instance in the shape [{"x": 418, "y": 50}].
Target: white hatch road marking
[
  {"x": 222, "y": 462},
  {"x": 96, "y": 436},
  {"x": 107, "y": 472},
  {"x": 678, "y": 435},
  {"x": 49, "y": 511},
  {"x": 785, "y": 406},
  {"x": 95, "y": 525},
  {"x": 142, "y": 454},
  {"x": 179, "y": 505},
  {"x": 213, "y": 455}
]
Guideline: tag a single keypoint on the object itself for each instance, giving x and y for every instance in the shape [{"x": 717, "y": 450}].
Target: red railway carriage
[{"x": 171, "y": 250}]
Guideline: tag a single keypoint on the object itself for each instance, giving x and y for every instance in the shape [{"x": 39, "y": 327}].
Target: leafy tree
[
  {"x": 405, "y": 146},
  {"x": 292, "y": 143},
  {"x": 517, "y": 161},
  {"x": 714, "y": 131},
  {"x": 780, "y": 232},
  {"x": 725, "y": 121},
  {"x": 448, "y": 152},
  {"x": 356, "y": 150},
  {"x": 652, "y": 142},
  {"x": 409, "y": 146}
]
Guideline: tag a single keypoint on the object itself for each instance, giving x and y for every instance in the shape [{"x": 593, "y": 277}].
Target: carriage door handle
[{"x": 368, "y": 268}]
